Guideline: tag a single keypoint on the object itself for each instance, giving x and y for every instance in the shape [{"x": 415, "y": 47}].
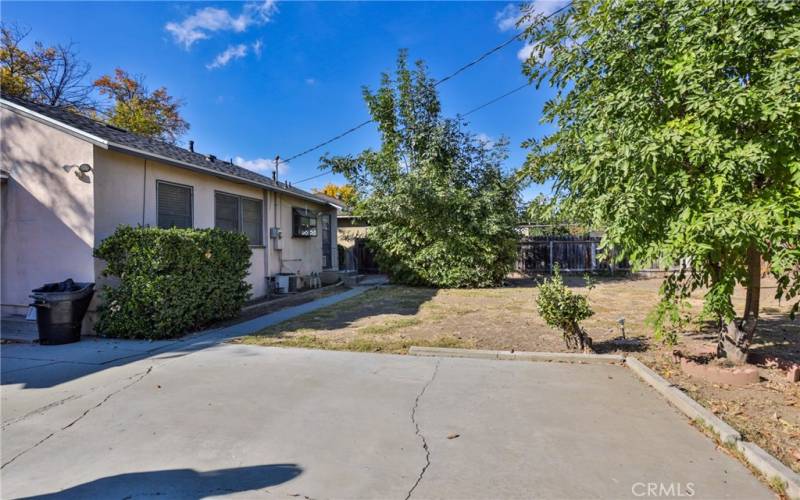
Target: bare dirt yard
[{"x": 393, "y": 318}]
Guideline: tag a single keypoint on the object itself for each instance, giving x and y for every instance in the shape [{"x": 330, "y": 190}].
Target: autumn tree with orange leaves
[{"x": 154, "y": 114}]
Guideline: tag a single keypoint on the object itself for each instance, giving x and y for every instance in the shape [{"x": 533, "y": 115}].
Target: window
[
  {"x": 239, "y": 214},
  {"x": 327, "y": 251},
  {"x": 174, "y": 205},
  {"x": 304, "y": 223}
]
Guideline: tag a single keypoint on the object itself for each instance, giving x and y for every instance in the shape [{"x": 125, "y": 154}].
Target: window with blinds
[
  {"x": 251, "y": 220},
  {"x": 226, "y": 212},
  {"x": 240, "y": 214},
  {"x": 174, "y": 205}
]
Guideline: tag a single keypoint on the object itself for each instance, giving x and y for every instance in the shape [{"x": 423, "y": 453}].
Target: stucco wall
[
  {"x": 299, "y": 255},
  {"x": 48, "y": 211},
  {"x": 52, "y": 219},
  {"x": 126, "y": 194}
]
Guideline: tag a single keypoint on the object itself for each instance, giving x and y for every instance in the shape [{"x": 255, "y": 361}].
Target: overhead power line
[
  {"x": 473, "y": 110},
  {"x": 438, "y": 82},
  {"x": 498, "y": 98}
]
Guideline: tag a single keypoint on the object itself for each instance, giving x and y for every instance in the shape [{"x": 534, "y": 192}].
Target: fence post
[
  {"x": 594, "y": 255},
  {"x": 551, "y": 256}
]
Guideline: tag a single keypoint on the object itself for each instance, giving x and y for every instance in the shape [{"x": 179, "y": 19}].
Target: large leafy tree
[
  {"x": 54, "y": 75},
  {"x": 441, "y": 210},
  {"x": 679, "y": 131},
  {"x": 133, "y": 107}
]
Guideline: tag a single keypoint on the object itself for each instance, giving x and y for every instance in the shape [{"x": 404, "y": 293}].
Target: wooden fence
[{"x": 538, "y": 254}]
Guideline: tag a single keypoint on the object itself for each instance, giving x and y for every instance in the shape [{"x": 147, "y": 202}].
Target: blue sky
[{"x": 260, "y": 79}]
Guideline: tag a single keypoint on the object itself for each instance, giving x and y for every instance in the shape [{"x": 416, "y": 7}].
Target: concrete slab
[
  {"x": 13, "y": 364},
  {"x": 64, "y": 363},
  {"x": 251, "y": 421},
  {"x": 90, "y": 350}
]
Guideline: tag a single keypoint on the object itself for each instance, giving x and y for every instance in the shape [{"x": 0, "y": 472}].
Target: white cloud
[
  {"x": 547, "y": 7},
  {"x": 205, "y": 21},
  {"x": 257, "y": 47},
  {"x": 226, "y": 56},
  {"x": 263, "y": 166},
  {"x": 509, "y": 16},
  {"x": 525, "y": 53},
  {"x": 486, "y": 139}
]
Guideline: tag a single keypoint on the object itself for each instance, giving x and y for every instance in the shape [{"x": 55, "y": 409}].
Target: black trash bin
[{"x": 60, "y": 308}]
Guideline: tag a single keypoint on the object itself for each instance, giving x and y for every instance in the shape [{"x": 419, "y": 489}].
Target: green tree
[
  {"x": 154, "y": 114},
  {"x": 679, "y": 132},
  {"x": 440, "y": 209}
]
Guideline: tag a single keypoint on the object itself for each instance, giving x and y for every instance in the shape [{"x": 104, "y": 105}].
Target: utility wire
[
  {"x": 436, "y": 84},
  {"x": 498, "y": 98},
  {"x": 473, "y": 110}
]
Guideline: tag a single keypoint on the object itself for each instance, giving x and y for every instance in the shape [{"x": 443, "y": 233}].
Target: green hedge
[{"x": 171, "y": 280}]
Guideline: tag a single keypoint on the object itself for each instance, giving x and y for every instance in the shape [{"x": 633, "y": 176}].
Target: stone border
[{"x": 770, "y": 467}]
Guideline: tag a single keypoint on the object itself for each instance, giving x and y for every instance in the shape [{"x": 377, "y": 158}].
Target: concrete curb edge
[
  {"x": 770, "y": 467},
  {"x": 516, "y": 355},
  {"x": 690, "y": 407}
]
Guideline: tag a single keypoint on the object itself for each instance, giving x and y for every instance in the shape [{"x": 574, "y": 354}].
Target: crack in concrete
[
  {"x": 419, "y": 433},
  {"x": 137, "y": 378},
  {"x": 39, "y": 410}
]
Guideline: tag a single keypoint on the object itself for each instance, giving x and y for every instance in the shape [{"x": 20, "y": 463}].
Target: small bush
[
  {"x": 171, "y": 280},
  {"x": 562, "y": 309}
]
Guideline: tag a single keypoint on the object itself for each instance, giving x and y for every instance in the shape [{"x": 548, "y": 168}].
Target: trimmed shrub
[
  {"x": 171, "y": 280},
  {"x": 560, "y": 308}
]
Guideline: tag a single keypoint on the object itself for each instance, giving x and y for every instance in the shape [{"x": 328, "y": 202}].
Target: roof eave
[
  {"x": 103, "y": 143},
  {"x": 234, "y": 178},
  {"x": 75, "y": 132}
]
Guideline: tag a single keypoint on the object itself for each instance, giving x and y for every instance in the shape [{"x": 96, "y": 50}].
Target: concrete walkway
[
  {"x": 24, "y": 363},
  {"x": 200, "y": 419}
]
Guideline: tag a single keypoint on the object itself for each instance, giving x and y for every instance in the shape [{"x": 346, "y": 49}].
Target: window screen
[
  {"x": 174, "y": 205},
  {"x": 236, "y": 213},
  {"x": 226, "y": 212},
  {"x": 251, "y": 221}
]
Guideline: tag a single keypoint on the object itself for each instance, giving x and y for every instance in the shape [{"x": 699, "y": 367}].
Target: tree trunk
[{"x": 736, "y": 337}]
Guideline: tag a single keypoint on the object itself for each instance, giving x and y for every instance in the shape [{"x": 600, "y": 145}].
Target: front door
[{"x": 327, "y": 251}]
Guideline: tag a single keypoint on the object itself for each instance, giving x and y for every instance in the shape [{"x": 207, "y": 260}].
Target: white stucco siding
[
  {"x": 48, "y": 211},
  {"x": 127, "y": 195},
  {"x": 300, "y": 255},
  {"x": 52, "y": 219}
]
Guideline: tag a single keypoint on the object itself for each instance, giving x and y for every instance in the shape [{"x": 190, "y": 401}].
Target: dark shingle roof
[{"x": 139, "y": 145}]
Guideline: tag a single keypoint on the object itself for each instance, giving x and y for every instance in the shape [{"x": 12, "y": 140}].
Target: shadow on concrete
[
  {"x": 35, "y": 366},
  {"x": 181, "y": 483}
]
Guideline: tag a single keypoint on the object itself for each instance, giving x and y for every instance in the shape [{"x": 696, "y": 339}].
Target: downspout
[
  {"x": 266, "y": 242},
  {"x": 144, "y": 191}
]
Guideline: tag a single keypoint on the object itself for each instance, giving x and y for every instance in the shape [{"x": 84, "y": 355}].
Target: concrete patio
[{"x": 200, "y": 419}]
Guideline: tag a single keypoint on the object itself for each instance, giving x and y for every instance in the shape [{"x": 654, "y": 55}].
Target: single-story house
[{"x": 68, "y": 181}]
